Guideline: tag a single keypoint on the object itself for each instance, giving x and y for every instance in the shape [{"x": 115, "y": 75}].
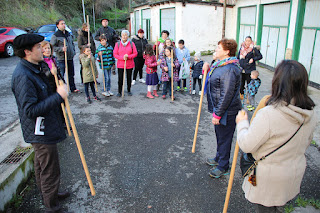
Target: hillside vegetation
[{"x": 33, "y": 13}]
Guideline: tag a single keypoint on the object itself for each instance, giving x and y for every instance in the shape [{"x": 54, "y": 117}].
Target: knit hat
[
  {"x": 26, "y": 40},
  {"x": 104, "y": 19},
  {"x": 198, "y": 55}
]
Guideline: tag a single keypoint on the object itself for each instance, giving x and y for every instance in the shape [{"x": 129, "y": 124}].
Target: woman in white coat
[{"x": 279, "y": 175}]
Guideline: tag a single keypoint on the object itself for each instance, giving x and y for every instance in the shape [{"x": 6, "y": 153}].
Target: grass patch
[{"x": 302, "y": 202}]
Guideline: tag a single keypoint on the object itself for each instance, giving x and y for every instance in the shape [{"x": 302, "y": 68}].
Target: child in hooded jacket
[{"x": 152, "y": 76}]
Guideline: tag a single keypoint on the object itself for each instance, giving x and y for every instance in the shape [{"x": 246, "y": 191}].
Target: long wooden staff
[
  {"x": 235, "y": 156},
  {"x": 172, "y": 98},
  {"x": 92, "y": 70},
  {"x": 62, "y": 104},
  {"x": 124, "y": 76},
  {"x": 104, "y": 80},
  {"x": 66, "y": 64},
  {"x": 199, "y": 111},
  {"x": 76, "y": 137},
  {"x": 157, "y": 49}
]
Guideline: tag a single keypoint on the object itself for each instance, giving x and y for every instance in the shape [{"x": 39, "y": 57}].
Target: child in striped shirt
[{"x": 106, "y": 52}]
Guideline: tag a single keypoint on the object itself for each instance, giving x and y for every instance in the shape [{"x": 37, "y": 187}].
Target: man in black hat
[
  {"x": 39, "y": 113},
  {"x": 109, "y": 32}
]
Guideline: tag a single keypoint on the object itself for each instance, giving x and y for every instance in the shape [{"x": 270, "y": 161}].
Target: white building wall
[{"x": 202, "y": 26}]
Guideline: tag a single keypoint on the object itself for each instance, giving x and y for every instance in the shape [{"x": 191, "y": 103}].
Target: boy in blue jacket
[
  {"x": 106, "y": 51},
  {"x": 183, "y": 54},
  {"x": 253, "y": 87}
]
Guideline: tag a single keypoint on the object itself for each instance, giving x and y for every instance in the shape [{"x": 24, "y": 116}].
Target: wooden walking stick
[
  {"x": 76, "y": 137},
  {"x": 124, "y": 76},
  {"x": 93, "y": 74},
  {"x": 172, "y": 98},
  {"x": 199, "y": 111},
  {"x": 66, "y": 64},
  {"x": 104, "y": 80},
  {"x": 233, "y": 169},
  {"x": 157, "y": 49},
  {"x": 62, "y": 104}
]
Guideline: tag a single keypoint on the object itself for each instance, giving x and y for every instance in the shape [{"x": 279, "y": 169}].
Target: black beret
[
  {"x": 104, "y": 19},
  {"x": 26, "y": 40}
]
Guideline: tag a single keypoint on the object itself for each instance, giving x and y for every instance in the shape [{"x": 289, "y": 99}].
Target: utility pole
[
  {"x": 94, "y": 17},
  {"x": 224, "y": 18},
  {"x": 129, "y": 6},
  {"x": 84, "y": 13}
]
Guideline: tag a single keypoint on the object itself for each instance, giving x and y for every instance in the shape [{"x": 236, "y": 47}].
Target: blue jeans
[
  {"x": 107, "y": 78},
  {"x": 224, "y": 136},
  {"x": 166, "y": 87},
  {"x": 61, "y": 64}
]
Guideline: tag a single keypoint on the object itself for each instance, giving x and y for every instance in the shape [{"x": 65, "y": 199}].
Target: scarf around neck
[
  {"x": 245, "y": 50},
  {"x": 125, "y": 44},
  {"x": 220, "y": 63}
]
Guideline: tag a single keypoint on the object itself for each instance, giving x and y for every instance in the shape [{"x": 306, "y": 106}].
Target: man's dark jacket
[
  {"x": 223, "y": 90},
  {"x": 109, "y": 32},
  {"x": 34, "y": 98}
]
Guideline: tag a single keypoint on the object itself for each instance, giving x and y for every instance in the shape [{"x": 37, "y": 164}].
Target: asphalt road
[
  {"x": 8, "y": 112},
  {"x": 139, "y": 156}
]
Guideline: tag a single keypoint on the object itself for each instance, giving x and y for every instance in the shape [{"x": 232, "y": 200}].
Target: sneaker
[
  {"x": 104, "y": 94},
  {"x": 164, "y": 97},
  {"x": 199, "y": 92},
  {"x": 178, "y": 88},
  {"x": 133, "y": 82},
  {"x": 108, "y": 94},
  {"x": 98, "y": 83},
  {"x": 186, "y": 89},
  {"x": 76, "y": 91},
  {"x": 97, "y": 98},
  {"x": 193, "y": 92},
  {"x": 217, "y": 173},
  {"x": 119, "y": 95},
  {"x": 212, "y": 162},
  {"x": 249, "y": 107},
  {"x": 142, "y": 81},
  {"x": 89, "y": 100},
  {"x": 111, "y": 93},
  {"x": 129, "y": 93}
]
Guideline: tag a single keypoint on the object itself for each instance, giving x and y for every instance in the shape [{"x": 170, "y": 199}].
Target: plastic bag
[{"x": 184, "y": 70}]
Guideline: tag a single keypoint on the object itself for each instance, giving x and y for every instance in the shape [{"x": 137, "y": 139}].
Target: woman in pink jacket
[{"x": 125, "y": 50}]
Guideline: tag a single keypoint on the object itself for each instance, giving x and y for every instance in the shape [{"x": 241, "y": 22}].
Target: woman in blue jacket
[{"x": 222, "y": 86}]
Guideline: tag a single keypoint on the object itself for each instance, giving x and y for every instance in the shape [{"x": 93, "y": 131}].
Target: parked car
[
  {"x": 48, "y": 30},
  {"x": 7, "y": 34}
]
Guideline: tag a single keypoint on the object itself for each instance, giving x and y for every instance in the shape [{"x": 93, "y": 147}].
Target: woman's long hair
[{"x": 290, "y": 84}]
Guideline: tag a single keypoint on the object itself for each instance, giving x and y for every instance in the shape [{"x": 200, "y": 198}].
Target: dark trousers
[
  {"x": 224, "y": 136},
  {"x": 86, "y": 89},
  {"x": 244, "y": 78},
  {"x": 138, "y": 63},
  {"x": 199, "y": 83},
  {"x": 62, "y": 66},
  {"x": 166, "y": 87},
  {"x": 120, "y": 79},
  {"x": 272, "y": 209},
  {"x": 184, "y": 82},
  {"x": 47, "y": 172}
]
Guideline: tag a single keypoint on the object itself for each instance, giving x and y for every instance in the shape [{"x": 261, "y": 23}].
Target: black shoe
[
  {"x": 63, "y": 195},
  {"x": 98, "y": 83},
  {"x": 129, "y": 93},
  {"x": 118, "y": 95},
  {"x": 89, "y": 100}
]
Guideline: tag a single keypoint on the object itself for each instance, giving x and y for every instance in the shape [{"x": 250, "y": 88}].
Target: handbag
[{"x": 249, "y": 164}]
